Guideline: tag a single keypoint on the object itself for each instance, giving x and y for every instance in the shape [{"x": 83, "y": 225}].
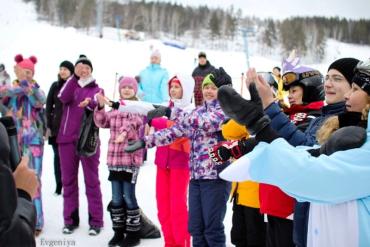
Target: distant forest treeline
[{"x": 306, "y": 34}]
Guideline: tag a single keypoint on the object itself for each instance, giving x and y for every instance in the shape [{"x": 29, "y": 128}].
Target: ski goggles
[
  {"x": 291, "y": 77},
  {"x": 364, "y": 67}
]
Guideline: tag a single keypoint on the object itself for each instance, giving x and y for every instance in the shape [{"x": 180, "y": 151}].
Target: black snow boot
[
  {"x": 132, "y": 228},
  {"x": 118, "y": 217}
]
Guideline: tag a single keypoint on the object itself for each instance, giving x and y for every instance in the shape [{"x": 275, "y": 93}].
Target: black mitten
[
  {"x": 159, "y": 111},
  {"x": 114, "y": 105},
  {"x": 220, "y": 77},
  {"x": 135, "y": 145},
  {"x": 246, "y": 112},
  {"x": 343, "y": 139},
  {"x": 349, "y": 119}
]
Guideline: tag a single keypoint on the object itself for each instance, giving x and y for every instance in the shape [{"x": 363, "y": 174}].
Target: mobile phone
[{"x": 269, "y": 79}]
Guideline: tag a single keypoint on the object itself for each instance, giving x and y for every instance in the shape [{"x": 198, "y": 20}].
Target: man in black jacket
[
  {"x": 17, "y": 212},
  {"x": 204, "y": 68}
]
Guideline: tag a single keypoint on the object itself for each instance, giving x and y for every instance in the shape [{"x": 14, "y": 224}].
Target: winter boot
[
  {"x": 148, "y": 229},
  {"x": 132, "y": 228},
  {"x": 118, "y": 217},
  {"x": 69, "y": 228}
]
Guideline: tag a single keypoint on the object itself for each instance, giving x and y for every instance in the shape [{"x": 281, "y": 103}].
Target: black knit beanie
[
  {"x": 84, "y": 60},
  {"x": 346, "y": 67},
  {"x": 363, "y": 81},
  {"x": 68, "y": 65}
]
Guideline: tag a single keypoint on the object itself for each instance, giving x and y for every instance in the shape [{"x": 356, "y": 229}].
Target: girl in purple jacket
[{"x": 123, "y": 167}]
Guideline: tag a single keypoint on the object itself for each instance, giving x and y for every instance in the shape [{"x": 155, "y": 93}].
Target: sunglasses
[{"x": 290, "y": 77}]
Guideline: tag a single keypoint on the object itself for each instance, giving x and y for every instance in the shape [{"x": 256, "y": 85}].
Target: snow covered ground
[{"x": 22, "y": 33}]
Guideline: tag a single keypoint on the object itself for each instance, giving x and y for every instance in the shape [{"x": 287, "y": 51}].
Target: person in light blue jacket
[
  {"x": 338, "y": 187},
  {"x": 153, "y": 85},
  {"x": 336, "y": 183}
]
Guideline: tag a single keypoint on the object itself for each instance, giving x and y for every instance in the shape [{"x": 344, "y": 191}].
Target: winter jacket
[
  {"x": 301, "y": 115},
  {"x": 175, "y": 155},
  {"x": 198, "y": 74},
  {"x": 17, "y": 213},
  {"x": 119, "y": 122},
  {"x": 71, "y": 95},
  {"x": 54, "y": 109},
  {"x": 274, "y": 201},
  {"x": 203, "y": 127},
  {"x": 25, "y": 100},
  {"x": 245, "y": 193},
  {"x": 281, "y": 123},
  {"x": 338, "y": 187},
  {"x": 153, "y": 84}
]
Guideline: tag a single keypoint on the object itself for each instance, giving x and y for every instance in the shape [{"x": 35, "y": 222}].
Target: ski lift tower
[
  {"x": 245, "y": 32},
  {"x": 99, "y": 17}
]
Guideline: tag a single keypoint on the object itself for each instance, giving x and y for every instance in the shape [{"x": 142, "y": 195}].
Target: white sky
[{"x": 353, "y": 9}]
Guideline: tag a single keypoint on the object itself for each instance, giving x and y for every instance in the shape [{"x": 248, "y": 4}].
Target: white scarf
[{"x": 85, "y": 82}]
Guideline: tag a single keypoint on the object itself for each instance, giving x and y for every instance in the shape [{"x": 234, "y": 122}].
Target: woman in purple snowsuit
[{"x": 76, "y": 95}]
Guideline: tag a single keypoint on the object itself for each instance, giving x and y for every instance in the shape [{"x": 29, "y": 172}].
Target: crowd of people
[{"x": 212, "y": 145}]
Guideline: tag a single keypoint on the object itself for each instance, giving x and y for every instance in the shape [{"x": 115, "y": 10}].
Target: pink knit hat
[
  {"x": 28, "y": 63},
  {"x": 127, "y": 81}
]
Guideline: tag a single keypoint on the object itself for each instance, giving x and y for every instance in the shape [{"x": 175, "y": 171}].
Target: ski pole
[
  {"x": 241, "y": 84},
  {"x": 115, "y": 86}
]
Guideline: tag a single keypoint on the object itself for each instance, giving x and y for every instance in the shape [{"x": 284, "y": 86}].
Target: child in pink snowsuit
[{"x": 173, "y": 169}]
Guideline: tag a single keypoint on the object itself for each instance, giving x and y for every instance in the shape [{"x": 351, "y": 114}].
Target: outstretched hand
[
  {"x": 223, "y": 151},
  {"x": 159, "y": 111},
  {"x": 134, "y": 146},
  {"x": 102, "y": 100},
  {"x": 84, "y": 103},
  {"x": 263, "y": 88},
  {"x": 245, "y": 112}
]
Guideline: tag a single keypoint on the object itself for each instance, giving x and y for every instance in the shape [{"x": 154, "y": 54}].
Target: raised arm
[{"x": 340, "y": 177}]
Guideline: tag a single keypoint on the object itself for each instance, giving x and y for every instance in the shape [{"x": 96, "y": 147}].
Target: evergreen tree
[{"x": 214, "y": 25}]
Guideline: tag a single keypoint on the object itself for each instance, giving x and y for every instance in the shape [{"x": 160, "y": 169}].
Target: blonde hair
[
  {"x": 332, "y": 124},
  {"x": 327, "y": 128}
]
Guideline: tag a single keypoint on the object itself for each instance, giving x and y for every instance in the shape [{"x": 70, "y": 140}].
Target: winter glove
[
  {"x": 223, "y": 151},
  {"x": 135, "y": 145},
  {"x": 159, "y": 111},
  {"x": 219, "y": 77},
  {"x": 247, "y": 112},
  {"x": 23, "y": 83},
  {"x": 349, "y": 119},
  {"x": 343, "y": 139},
  {"x": 114, "y": 105}
]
